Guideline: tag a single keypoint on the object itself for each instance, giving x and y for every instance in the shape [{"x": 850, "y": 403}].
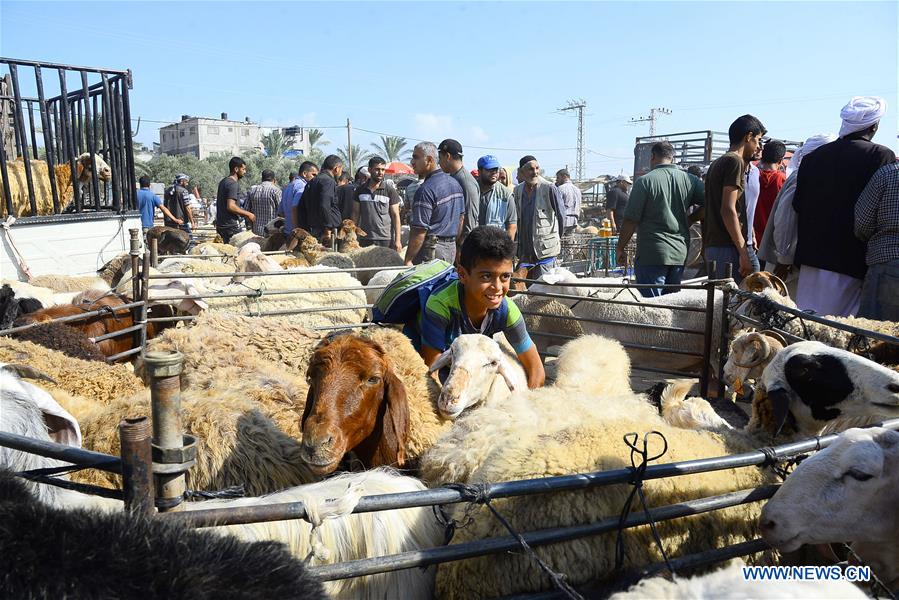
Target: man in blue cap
[{"x": 495, "y": 206}]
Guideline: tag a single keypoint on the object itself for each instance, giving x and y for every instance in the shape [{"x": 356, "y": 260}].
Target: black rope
[
  {"x": 235, "y": 491},
  {"x": 782, "y": 465},
  {"x": 476, "y": 494},
  {"x": 636, "y": 480},
  {"x": 876, "y": 580}
]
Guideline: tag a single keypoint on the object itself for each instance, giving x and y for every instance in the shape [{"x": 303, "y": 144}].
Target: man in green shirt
[{"x": 657, "y": 210}]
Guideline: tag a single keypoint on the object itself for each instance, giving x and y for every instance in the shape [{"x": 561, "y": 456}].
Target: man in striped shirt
[
  {"x": 877, "y": 223},
  {"x": 263, "y": 200}
]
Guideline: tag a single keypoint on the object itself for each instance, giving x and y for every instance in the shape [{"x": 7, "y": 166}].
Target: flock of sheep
[{"x": 281, "y": 403}]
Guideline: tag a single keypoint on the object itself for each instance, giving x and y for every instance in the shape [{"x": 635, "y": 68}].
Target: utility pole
[
  {"x": 349, "y": 144},
  {"x": 654, "y": 114},
  {"x": 579, "y": 106}
]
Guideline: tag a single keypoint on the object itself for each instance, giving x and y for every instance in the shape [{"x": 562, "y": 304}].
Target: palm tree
[
  {"x": 392, "y": 148},
  {"x": 360, "y": 156},
  {"x": 316, "y": 138},
  {"x": 276, "y": 143}
]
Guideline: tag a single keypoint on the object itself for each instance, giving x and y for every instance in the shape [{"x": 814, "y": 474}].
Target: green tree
[
  {"x": 392, "y": 148},
  {"x": 276, "y": 143},
  {"x": 360, "y": 156},
  {"x": 316, "y": 141}
]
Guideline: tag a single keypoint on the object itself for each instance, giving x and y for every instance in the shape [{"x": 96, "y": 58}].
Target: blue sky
[{"x": 488, "y": 74}]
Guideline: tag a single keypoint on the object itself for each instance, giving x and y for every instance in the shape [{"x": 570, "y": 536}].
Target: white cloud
[
  {"x": 429, "y": 126},
  {"x": 478, "y": 135}
]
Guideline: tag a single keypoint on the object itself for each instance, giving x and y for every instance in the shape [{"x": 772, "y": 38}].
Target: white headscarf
[
  {"x": 861, "y": 113},
  {"x": 811, "y": 144}
]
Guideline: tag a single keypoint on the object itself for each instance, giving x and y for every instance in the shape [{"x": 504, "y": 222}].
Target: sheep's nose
[{"x": 767, "y": 525}]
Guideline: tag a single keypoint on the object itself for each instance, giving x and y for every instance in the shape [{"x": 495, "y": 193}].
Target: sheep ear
[
  {"x": 443, "y": 360},
  {"x": 396, "y": 421},
  {"x": 780, "y": 405},
  {"x": 861, "y": 458},
  {"x": 307, "y": 410},
  {"x": 341, "y": 233},
  {"x": 502, "y": 371},
  {"x": 361, "y": 233}
]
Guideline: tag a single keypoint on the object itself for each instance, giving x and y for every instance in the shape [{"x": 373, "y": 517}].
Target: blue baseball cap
[{"x": 488, "y": 162}]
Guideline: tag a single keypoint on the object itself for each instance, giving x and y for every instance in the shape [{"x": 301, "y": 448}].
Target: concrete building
[{"x": 203, "y": 136}]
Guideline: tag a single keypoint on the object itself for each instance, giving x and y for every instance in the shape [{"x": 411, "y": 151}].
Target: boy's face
[{"x": 487, "y": 283}]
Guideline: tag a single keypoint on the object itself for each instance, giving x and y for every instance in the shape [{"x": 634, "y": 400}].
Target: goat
[{"x": 370, "y": 394}]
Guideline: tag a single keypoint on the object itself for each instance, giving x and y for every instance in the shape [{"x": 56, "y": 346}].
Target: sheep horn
[
  {"x": 775, "y": 335},
  {"x": 28, "y": 372},
  {"x": 779, "y": 285},
  {"x": 443, "y": 360},
  {"x": 763, "y": 355}
]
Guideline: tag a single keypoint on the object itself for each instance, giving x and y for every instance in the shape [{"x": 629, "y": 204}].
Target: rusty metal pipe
[
  {"x": 164, "y": 369},
  {"x": 134, "y": 251},
  {"x": 154, "y": 252},
  {"x": 137, "y": 465}
]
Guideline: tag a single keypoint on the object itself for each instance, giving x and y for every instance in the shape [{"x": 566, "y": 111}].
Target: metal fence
[
  {"x": 709, "y": 341},
  {"x": 136, "y": 462},
  {"x": 94, "y": 118},
  {"x": 138, "y": 308}
]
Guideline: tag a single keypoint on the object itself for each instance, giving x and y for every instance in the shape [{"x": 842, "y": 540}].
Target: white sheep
[
  {"x": 554, "y": 282},
  {"x": 251, "y": 259},
  {"x": 817, "y": 384},
  {"x": 342, "y": 537},
  {"x": 27, "y": 410},
  {"x": 689, "y": 413},
  {"x": 844, "y": 493},
  {"x": 322, "y": 299},
  {"x": 731, "y": 583},
  {"x": 593, "y": 378},
  {"x": 481, "y": 372},
  {"x": 577, "y": 441}
]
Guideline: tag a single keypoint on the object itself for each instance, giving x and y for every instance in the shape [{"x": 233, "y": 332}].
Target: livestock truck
[
  {"x": 68, "y": 193},
  {"x": 690, "y": 148}
]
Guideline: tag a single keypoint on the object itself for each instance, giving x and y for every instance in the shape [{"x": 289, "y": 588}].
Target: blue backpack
[{"x": 405, "y": 297}]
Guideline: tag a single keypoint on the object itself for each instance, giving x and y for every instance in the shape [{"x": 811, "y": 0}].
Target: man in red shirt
[{"x": 771, "y": 179}]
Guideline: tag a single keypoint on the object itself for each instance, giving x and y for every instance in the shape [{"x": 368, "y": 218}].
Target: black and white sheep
[
  {"x": 51, "y": 552},
  {"x": 817, "y": 384}
]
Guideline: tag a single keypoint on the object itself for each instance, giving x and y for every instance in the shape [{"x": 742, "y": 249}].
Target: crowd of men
[
  {"x": 830, "y": 229},
  {"x": 827, "y": 223}
]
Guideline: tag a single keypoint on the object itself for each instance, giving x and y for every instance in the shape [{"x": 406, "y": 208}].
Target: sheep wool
[
  {"x": 63, "y": 338},
  {"x": 593, "y": 445},
  {"x": 335, "y": 260},
  {"x": 322, "y": 303},
  {"x": 248, "y": 432},
  {"x": 91, "y": 379},
  {"x": 290, "y": 262},
  {"x": 70, "y": 283},
  {"x": 351, "y": 536},
  {"x": 374, "y": 256},
  {"x": 217, "y": 339}
]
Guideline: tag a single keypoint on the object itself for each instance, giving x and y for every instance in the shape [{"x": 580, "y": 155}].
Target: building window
[
  {"x": 245, "y": 132},
  {"x": 163, "y": 137},
  {"x": 230, "y": 130},
  {"x": 193, "y": 130},
  {"x": 181, "y": 133},
  {"x": 212, "y": 130}
]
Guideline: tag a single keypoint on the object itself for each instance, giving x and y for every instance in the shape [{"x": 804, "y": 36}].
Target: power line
[{"x": 654, "y": 114}]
